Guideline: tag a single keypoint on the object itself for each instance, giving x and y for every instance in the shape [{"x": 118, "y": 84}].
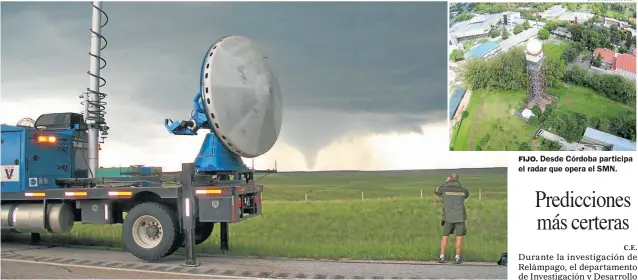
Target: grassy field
[
  {"x": 491, "y": 125},
  {"x": 391, "y": 222},
  {"x": 502, "y": 131},
  {"x": 575, "y": 99},
  {"x": 553, "y": 50}
]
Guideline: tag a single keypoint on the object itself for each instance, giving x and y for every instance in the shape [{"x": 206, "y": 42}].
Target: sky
[{"x": 363, "y": 84}]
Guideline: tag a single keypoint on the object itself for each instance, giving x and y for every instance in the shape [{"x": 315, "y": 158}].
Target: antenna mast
[{"x": 93, "y": 99}]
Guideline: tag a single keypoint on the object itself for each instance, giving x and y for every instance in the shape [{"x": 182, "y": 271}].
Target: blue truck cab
[{"x": 32, "y": 158}]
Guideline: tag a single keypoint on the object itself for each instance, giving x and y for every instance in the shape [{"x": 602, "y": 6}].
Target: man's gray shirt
[{"x": 453, "y": 195}]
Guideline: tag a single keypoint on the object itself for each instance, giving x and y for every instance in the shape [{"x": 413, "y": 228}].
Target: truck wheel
[
  {"x": 203, "y": 231},
  {"x": 177, "y": 245},
  {"x": 150, "y": 231}
]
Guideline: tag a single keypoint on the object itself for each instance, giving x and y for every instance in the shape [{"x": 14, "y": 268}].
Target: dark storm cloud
[{"x": 378, "y": 66}]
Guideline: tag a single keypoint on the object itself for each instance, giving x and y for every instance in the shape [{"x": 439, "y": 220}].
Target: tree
[
  {"x": 570, "y": 127},
  {"x": 550, "y": 146},
  {"x": 577, "y": 31},
  {"x": 543, "y": 34},
  {"x": 524, "y": 146},
  {"x": 597, "y": 61},
  {"x": 482, "y": 143},
  {"x": 457, "y": 55},
  {"x": 571, "y": 6},
  {"x": 570, "y": 53},
  {"x": 624, "y": 126},
  {"x": 518, "y": 29},
  {"x": 549, "y": 109},
  {"x": 615, "y": 35},
  {"x": 623, "y": 49},
  {"x": 629, "y": 40},
  {"x": 533, "y": 120},
  {"x": 526, "y": 25},
  {"x": 551, "y": 25},
  {"x": 577, "y": 76},
  {"x": 505, "y": 34},
  {"x": 547, "y": 113},
  {"x": 463, "y": 17},
  {"x": 604, "y": 125},
  {"x": 505, "y": 71},
  {"x": 613, "y": 87},
  {"x": 555, "y": 69},
  {"x": 537, "y": 111},
  {"x": 494, "y": 33}
]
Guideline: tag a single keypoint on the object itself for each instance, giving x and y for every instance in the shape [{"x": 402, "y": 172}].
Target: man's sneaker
[
  {"x": 441, "y": 260},
  {"x": 457, "y": 260}
]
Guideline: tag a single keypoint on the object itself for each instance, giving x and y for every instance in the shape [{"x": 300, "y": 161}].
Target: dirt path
[{"x": 475, "y": 123}]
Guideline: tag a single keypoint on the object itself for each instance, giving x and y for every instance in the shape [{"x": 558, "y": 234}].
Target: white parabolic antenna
[
  {"x": 242, "y": 96},
  {"x": 28, "y": 122},
  {"x": 534, "y": 46}
]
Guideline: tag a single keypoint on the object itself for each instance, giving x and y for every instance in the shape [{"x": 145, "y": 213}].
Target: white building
[
  {"x": 609, "y": 141},
  {"x": 527, "y": 113},
  {"x": 476, "y": 28},
  {"x": 519, "y": 38},
  {"x": 553, "y": 12},
  {"x": 575, "y": 17},
  {"x": 510, "y": 19}
]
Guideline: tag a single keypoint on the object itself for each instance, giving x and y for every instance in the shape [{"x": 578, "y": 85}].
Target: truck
[
  {"x": 46, "y": 188},
  {"x": 49, "y": 165}
]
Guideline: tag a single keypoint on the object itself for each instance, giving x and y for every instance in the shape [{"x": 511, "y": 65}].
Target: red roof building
[
  {"x": 616, "y": 63},
  {"x": 608, "y": 58},
  {"x": 607, "y": 55},
  {"x": 626, "y": 62}
]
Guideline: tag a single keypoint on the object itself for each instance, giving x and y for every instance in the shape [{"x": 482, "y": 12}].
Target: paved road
[
  {"x": 81, "y": 263},
  {"x": 19, "y": 269}
]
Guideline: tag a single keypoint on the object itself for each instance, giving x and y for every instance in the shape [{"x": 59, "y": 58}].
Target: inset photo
[{"x": 542, "y": 76}]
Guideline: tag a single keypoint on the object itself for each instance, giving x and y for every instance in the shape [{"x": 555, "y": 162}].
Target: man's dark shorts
[{"x": 458, "y": 229}]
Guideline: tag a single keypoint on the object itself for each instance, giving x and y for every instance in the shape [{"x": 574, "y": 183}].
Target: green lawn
[
  {"x": 553, "y": 50},
  {"x": 576, "y": 99},
  {"x": 493, "y": 127},
  {"x": 496, "y": 123},
  {"x": 505, "y": 132},
  {"x": 392, "y": 221}
]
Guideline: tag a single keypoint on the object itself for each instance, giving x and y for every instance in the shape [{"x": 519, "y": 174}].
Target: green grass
[
  {"x": 507, "y": 132},
  {"x": 553, "y": 50},
  {"x": 502, "y": 131},
  {"x": 496, "y": 121},
  {"x": 392, "y": 222},
  {"x": 576, "y": 99}
]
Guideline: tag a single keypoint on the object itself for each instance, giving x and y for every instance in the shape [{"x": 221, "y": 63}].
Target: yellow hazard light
[
  {"x": 208, "y": 191},
  {"x": 37, "y": 194},
  {"x": 120, "y": 193},
  {"x": 47, "y": 139},
  {"x": 75, "y": 194}
]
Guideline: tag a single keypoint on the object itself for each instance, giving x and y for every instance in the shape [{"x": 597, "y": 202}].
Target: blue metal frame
[{"x": 213, "y": 156}]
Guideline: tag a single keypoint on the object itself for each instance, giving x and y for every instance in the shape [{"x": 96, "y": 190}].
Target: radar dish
[
  {"x": 28, "y": 122},
  {"x": 242, "y": 96},
  {"x": 534, "y": 46}
]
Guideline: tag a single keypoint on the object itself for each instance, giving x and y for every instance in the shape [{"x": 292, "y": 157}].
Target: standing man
[{"x": 453, "y": 195}]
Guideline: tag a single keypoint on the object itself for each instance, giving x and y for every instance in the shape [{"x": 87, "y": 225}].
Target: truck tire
[
  {"x": 150, "y": 231},
  {"x": 203, "y": 231},
  {"x": 177, "y": 245}
]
